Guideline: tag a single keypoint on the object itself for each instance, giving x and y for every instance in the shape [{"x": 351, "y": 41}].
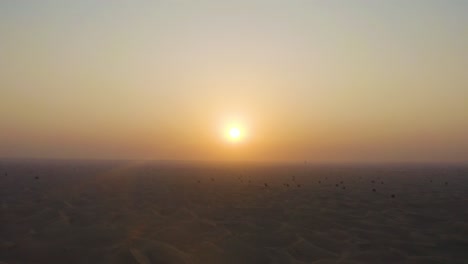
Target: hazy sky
[{"x": 304, "y": 80}]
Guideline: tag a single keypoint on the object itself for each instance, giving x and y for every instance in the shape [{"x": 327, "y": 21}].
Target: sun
[{"x": 234, "y": 133}]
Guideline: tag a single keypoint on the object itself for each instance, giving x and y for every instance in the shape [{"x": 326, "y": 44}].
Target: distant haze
[{"x": 346, "y": 80}]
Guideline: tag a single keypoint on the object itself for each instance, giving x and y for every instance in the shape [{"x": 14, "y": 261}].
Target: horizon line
[{"x": 303, "y": 162}]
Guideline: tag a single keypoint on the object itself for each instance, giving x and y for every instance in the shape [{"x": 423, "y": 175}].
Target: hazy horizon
[{"x": 317, "y": 81}]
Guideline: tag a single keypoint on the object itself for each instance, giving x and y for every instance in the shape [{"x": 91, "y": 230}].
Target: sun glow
[
  {"x": 234, "y": 133},
  {"x": 234, "y": 130}
]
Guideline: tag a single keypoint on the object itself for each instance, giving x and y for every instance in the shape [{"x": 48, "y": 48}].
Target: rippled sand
[{"x": 149, "y": 212}]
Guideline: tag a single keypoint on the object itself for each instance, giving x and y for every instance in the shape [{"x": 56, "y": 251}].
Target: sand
[{"x": 155, "y": 212}]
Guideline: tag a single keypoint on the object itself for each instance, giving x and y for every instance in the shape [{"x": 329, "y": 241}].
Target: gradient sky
[{"x": 305, "y": 80}]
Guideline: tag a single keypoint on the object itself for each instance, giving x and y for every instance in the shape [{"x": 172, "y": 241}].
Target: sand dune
[{"x": 134, "y": 212}]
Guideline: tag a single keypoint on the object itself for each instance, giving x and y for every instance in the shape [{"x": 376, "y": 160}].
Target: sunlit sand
[{"x": 129, "y": 212}]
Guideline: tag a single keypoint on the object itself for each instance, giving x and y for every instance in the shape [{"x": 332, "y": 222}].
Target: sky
[{"x": 323, "y": 81}]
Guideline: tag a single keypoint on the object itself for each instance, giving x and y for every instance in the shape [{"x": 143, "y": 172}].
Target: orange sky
[{"x": 303, "y": 80}]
